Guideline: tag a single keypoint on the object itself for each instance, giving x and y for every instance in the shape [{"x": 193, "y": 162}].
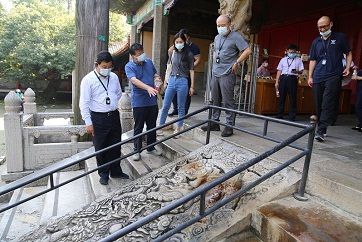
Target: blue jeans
[{"x": 175, "y": 85}]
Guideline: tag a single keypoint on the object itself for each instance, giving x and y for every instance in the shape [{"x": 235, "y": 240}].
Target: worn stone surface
[{"x": 145, "y": 195}]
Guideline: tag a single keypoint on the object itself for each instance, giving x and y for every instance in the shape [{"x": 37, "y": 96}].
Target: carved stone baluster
[
  {"x": 29, "y": 101},
  {"x": 13, "y": 125},
  {"x": 125, "y": 112}
]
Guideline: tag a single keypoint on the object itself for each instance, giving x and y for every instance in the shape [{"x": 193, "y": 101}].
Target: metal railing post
[
  {"x": 300, "y": 194},
  {"x": 208, "y": 126}
]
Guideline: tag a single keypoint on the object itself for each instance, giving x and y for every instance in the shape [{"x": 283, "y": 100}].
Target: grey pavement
[{"x": 339, "y": 158}]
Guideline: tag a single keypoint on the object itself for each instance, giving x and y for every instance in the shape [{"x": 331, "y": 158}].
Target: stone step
[
  {"x": 114, "y": 184},
  {"x": 23, "y": 218},
  {"x": 68, "y": 198},
  {"x": 291, "y": 220},
  {"x": 171, "y": 149}
]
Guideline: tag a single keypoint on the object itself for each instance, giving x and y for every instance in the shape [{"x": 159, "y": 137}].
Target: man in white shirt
[{"x": 99, "y": 94}]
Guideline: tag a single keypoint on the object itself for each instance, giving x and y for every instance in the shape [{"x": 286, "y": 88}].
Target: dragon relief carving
[
  {"x": 240, "y": 13},
  {"x": 142, "y": 197}
]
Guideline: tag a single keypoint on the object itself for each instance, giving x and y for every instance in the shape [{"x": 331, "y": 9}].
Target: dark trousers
[
  {"x": 358, "y": 104},
  {"x": 107, "y": 131},
  {"x": 288, "y": 86},
  {"x": 326, "y": 99},
  {"x": 142, "y": 115},
  {"x": 188, "y": 100}
]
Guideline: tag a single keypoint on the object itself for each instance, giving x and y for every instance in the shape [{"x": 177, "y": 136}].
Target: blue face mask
[
  {"x": 292, "y": 55},
  {"x": 105, "y": 72},
  {"x": 325, "y": 33},
  {"x": 222, "y": 30},
  {"x": 179, "y": 46},
  {"x": 142, "y": 57}
]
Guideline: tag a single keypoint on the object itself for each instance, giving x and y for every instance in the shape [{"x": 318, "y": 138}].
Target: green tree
[
  {"x": 118, "y": 28},
  {"x": 37, "y": 44}
]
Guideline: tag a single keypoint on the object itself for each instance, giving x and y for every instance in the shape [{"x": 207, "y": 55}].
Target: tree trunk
[
  {"x": 51, "y": 90},
  {"x": 92, "y": 21}
]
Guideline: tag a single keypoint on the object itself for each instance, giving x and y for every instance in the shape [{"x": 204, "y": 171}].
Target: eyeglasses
[{"x": 324, "y": 26}]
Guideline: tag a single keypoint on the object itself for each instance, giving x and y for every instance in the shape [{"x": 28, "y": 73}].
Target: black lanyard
[
  {"x": 221, "y": 45},
  {"x": 290, "y": 62},
  {"x": 102, "y": 82},
  {"x": 324, "y": 46}
]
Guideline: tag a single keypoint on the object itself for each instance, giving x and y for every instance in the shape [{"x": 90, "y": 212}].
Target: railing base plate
[{"x": 299, "y": 197}]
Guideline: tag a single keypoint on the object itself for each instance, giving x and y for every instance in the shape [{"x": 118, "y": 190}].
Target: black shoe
[
  {"x": 227, "y": 132},
  {"x": 279, "y": 117},
  {"x": 333, "y": 124},
  {"x": 122, "y": 176},
  {"x": 103, "y": 181},
  {"x": 213, "y": 127},
  {"x": 319, "y": 136},
  {"x": 174, "y": 112},
  {"x": 359, "y": 129}
]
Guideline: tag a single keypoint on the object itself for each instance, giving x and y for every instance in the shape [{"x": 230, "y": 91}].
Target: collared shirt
[
  {"x": 145, "y": 73},
  {"x": 286, "y": 65},
  {"x": 93, "y": 95},
  {"x": 328, "y": 55},
  {"x": 227, "y": 49}
]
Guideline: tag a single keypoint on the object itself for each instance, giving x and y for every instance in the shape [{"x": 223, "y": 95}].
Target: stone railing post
[
  {"x": 125, "y": 112},
  {"x": 13, "y": 125},
  {"x": 29, "y": 101}
]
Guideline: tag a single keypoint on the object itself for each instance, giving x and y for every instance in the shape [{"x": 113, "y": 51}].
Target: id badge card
[
  {"x": 108, "y": 101},
  {"x": 324, "y": 61}
]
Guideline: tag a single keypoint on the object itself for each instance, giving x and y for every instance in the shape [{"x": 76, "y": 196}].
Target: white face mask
[
  {"x": 325, "y": 33},
  {"x": 222, "y": 30},
  {"x": 105, "y": 72},
  {"x": 265, "y": 64},
  {"x": 141, "y": 57},
  {"x": 179, "y": 46}
]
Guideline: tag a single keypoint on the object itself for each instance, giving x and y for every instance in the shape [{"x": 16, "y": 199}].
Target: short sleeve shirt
[
  {"x": 286, "y": 65},
  {"x": 145, "y": 73},
  {"x": 182, "y": 63},
  {"x": 328, "y": 55},
  {"x": 194, "y": 49},
  {"x": 227, "y": 50}
]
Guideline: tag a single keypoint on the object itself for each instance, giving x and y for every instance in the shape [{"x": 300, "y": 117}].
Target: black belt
[
  {"x": 110, "y": 113},
  {"x": 289, "y": 75}
]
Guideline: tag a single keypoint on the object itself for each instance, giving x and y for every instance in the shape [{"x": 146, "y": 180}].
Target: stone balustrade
[{"x": 31, "y": 146}]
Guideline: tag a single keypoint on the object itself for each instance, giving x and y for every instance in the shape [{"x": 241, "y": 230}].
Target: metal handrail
[{"x": 305, "y": 151}]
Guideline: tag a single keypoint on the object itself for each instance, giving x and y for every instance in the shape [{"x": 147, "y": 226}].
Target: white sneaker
[
  {"x": 154, "y": 152},
  {"x": 175, "y": 132},
  {"x": 159, "y": 133},
  {"x": 136, "y": 156}
]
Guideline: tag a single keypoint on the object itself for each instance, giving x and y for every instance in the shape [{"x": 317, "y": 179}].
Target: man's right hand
[
  {"x": 310, "y": 82},
  {"x": 89, "y": 130}
]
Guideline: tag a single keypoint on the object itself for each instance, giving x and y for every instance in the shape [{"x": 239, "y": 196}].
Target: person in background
[
  {"x": 262, "y": 69},
  {"x": 141, "y": 72},
  {"x": 182, "y": 69},
  {"x": 358, "y": 103},
  {"x": 345, "y": 81},
  {"x": 99, "y": 94},
  {"x": 197, "y": 57},
  {"x": 228, "y": 46},
  {"x": 326, "y": 72},
  {"x": 286, "y": 81}
]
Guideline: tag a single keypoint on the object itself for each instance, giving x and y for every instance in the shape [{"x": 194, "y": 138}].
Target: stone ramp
[
  {"x": 291, "y": 220},
  {"x": 168, "y": 183}
]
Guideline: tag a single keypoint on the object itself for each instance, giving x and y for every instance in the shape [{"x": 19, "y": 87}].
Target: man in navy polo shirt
[
  {"x": 141, "y": 73},
  {"x": 326, "y": 72}
]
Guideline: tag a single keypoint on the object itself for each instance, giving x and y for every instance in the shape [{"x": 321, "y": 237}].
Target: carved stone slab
[{"x": 147, "y": 194}]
